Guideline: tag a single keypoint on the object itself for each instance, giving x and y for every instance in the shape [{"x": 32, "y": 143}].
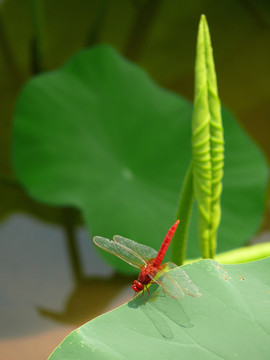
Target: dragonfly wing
[
  {"x": 119, "y": 250},
  {"x": 169, "y": 284},
  {"x": 145, "y": 252},
  {"x": 182, "y": 278}
]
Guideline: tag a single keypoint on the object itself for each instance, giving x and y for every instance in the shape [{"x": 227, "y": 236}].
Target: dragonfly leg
[
  {"x": 145, "y": 287},
  {"x": 148, "y": 293},
  {"x": 141, "y": 293}
]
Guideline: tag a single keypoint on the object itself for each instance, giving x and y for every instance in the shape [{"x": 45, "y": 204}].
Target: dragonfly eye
[{"x": 137, "y": 285}]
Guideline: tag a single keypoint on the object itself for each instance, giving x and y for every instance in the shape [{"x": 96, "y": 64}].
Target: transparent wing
[
  {"x": 120, "y": 250},
  {"x": 143, "y": 251},
  {"x": 176, "y": 282},
  {"x": 183, "y": 280},
  {"x": 169, "y": 284}
]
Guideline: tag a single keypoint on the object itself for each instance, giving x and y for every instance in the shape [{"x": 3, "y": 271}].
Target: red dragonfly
[{"x": 149, "y": 262}]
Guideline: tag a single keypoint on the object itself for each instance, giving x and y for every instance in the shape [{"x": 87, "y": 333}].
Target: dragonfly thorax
[{"x": 147, "y": 274}]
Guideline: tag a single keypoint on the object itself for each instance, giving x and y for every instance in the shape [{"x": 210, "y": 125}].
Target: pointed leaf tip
[{"x": 207, "y": 143}]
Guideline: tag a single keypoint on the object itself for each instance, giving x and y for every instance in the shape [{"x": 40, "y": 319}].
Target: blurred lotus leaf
[{"x": 100, "y": 135}]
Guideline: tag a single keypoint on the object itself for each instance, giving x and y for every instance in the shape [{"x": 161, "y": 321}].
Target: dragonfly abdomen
[{"x": 164, "y": 246}]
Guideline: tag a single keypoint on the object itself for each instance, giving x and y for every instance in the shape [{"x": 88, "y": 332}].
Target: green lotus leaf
[
  {"x": 100, "y": 135},
  {"x": 230, "y": 320}
]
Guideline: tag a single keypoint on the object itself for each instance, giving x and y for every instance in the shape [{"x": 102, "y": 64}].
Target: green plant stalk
[
  {"x": 179, "y": 243},
  {"x": 207, "y": 143},
  {"x": 36, "y": 11},
  {"x": 98, "y": 22},
  {"x": 242, "y": 255}
]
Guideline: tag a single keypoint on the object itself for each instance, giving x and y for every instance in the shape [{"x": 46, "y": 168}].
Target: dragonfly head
[{"x": 137, "y": 286}]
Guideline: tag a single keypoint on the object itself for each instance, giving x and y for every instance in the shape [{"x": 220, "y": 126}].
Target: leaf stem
[
  {"x": 36, "y": 7},
  {"x": 146, "y": 15},
  {"x": 179, "y": 243},
  {"x": 97, "y": 25},
  {"x": 241, "y": 255},
  {"x": 72, "y": 246}
]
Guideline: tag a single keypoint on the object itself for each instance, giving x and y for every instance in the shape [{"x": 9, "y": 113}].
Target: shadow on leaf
[{"x": 160, "y": 307}]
